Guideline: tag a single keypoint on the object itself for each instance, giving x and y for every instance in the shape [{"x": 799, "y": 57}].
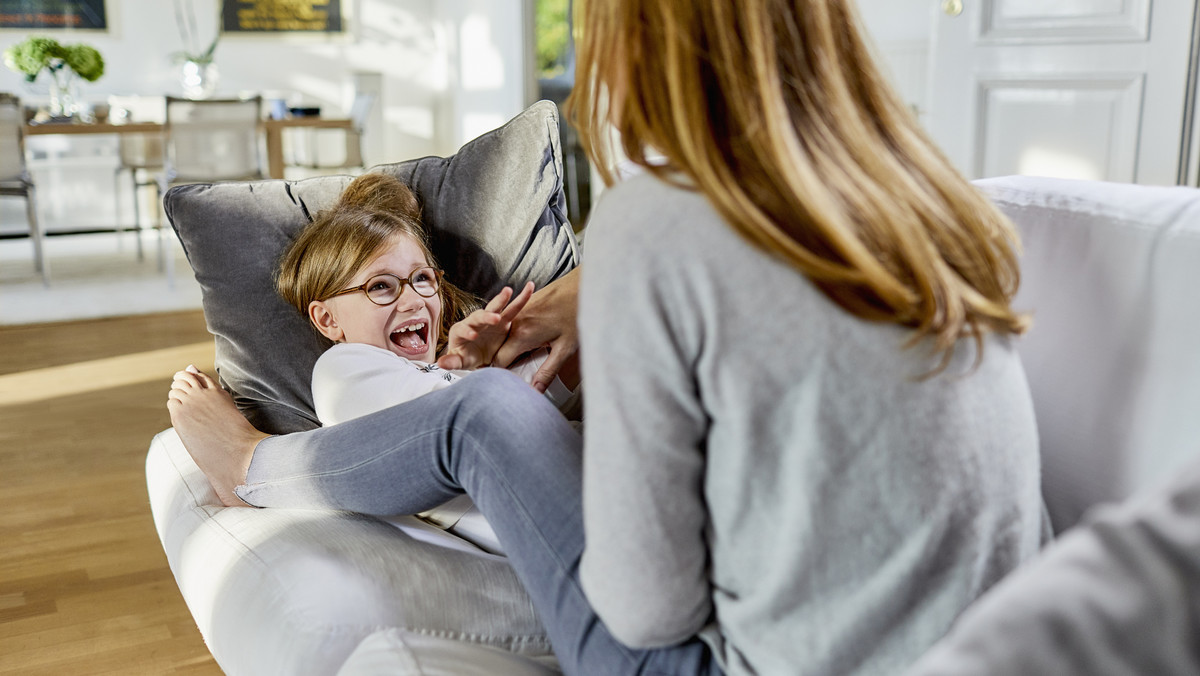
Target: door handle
[{"x": 952, "y": 7}]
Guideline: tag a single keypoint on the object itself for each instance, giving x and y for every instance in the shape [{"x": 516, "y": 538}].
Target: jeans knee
[
  {"x": 494, "y": 413},
  {"x": 496, "y": 398}
]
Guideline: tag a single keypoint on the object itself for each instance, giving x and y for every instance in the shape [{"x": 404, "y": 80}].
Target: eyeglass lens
[{"x": 386, "y": 288}]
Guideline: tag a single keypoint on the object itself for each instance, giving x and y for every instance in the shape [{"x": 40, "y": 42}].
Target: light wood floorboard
[{"x": 84, "y": 583}]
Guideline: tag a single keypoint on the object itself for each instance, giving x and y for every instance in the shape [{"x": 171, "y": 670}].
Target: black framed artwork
[
  {"x": 282, "y": 16},
  {"x": 49, "y": 14}
]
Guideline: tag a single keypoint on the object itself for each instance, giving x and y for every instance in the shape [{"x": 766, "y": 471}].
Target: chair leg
[
  {"x": 158, "y": 224},
  {"x": 117, "y": 208},
  {"x": 166, "y": 257},
  {"x": 35, "y": 232},
  {"x": 168, "y": 252},
  {"x": 137, "y": 215}
]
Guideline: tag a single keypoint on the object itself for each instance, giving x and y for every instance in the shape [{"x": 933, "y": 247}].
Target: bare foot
[{"x": 213, "y": 431}]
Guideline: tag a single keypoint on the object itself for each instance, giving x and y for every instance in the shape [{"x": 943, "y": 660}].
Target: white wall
[
  {"x": 449, "y": 67},
  {"x": 902, "y": 31},
  {"x": 449, "y": 70},
  {"x": 486, "y": 78},
  {"x": 893, "y": 20}
]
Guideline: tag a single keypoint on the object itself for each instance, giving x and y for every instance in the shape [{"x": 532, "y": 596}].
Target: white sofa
[{"x": 1110, "y": 273}]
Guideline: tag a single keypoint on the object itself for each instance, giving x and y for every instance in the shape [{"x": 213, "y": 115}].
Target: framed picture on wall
[
  {"x": 282, "y": 16},
  {"x": 50, "y": 14}
]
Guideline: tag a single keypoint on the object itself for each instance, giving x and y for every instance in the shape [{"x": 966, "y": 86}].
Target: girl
[
  {"x": 364, "y": 276},
  {"x": 346, "y": 273}
]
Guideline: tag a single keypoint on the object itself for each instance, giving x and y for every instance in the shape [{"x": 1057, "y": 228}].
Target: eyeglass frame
[{"x": 404, "y": 281}]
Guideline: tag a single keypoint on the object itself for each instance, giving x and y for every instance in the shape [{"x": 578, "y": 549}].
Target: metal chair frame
[
  {"x": 181, "y": 131},
  {"x": 15, "y": 180},
  {"x": 141, "y": 154}
]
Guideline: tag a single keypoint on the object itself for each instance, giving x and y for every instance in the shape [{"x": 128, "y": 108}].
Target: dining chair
[
  {"x": 307, "y": 154},
  {"x": 212, "y": 140},
  {"x": 15, "y": 180},
  {"x": 206, "y": 141},
  {"x": 141, "y": 155}
]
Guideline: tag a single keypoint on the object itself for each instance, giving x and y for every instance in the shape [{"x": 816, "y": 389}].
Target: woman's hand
[
  {"x": 547, "y": 321},
  {"x": 474, "y": 340}
]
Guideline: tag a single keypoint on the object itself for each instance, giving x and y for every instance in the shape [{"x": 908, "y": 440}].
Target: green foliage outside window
[{"x": 552, "y": 32}]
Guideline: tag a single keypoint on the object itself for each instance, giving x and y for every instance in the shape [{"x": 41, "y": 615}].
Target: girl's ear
[{"x": 322, "y": 318}]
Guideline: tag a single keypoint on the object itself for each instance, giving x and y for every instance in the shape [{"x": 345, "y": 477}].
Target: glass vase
[
  {"x": 64, "y": 101},
  {"x": 199, "y": 80}
]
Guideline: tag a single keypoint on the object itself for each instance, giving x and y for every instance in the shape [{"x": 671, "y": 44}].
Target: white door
[{"x": 1093, "y": 89}]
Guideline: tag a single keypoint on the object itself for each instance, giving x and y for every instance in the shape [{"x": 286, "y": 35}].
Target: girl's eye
[{"x": 379, "y": 286}]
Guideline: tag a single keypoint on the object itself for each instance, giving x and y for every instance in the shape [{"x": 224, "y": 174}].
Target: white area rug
[{"x": 93, "y": 275}]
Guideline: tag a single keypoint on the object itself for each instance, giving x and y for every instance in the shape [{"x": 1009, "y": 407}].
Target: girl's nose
[{"x": 409, "y": 300}]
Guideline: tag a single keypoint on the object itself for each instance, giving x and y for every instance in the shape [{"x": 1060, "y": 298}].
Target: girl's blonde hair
[
  {"x": 371, "y": 213},
  {"x": 775, "y": 110}
]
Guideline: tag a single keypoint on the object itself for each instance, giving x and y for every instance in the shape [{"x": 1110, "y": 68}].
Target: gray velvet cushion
[{"x": 496, "y": 214}]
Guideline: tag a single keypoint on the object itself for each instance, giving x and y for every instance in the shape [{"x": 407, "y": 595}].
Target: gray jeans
[{"x": 494, "y": 437}]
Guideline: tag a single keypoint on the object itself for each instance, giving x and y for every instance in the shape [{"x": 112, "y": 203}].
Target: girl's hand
[{"x": 473, "y": 342}]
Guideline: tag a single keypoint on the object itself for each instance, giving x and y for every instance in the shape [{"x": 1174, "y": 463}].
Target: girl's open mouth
[{"x": 412, "y": 338}]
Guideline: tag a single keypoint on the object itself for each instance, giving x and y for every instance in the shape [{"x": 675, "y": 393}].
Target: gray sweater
[
  {"x": 766, "y": 470},
  {"x": 1117, "y": 595}
]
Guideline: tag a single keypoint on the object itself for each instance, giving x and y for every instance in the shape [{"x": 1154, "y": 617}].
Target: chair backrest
[
  {"x": 308, "y": 155},
  {"x": 12, "y": 141},
  {"x": 139, "y": 150},
  {"x": 136, "y": 108},
  {"x": 360, "y": 109},
  {"x": 1110, "y": 273},
  {"x": 213, "y": 139}
]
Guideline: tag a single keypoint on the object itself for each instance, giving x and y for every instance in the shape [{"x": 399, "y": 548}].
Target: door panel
[
  {"x": 1050, "y": 127},
  {"x": 1064, "y": 20},
  {"x": 1071, "y": 88}
]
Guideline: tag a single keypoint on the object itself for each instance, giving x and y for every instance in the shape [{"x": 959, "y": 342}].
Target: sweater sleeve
[
  {"x": 352, "y": 380},
  {"x": 645, "y": 566}
]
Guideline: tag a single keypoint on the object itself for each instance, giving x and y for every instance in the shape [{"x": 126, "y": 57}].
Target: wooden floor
[{"x": 84, "y": 583}]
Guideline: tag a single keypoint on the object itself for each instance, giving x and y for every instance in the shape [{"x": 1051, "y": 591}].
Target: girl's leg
[
  {"x": 502, "y": 442},
  {"x": 521, "y": 463}
]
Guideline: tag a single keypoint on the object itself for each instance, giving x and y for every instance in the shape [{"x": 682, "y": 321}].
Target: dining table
[{"x": 272, "y": 128}]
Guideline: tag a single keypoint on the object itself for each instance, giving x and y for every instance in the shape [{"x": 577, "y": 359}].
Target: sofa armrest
[{"x": 278, "y": 591}]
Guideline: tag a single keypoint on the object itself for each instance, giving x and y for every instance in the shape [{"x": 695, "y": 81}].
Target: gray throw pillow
[{"x": 496, "y": 214}]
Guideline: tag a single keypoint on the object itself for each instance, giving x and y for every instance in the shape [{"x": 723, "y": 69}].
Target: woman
[
  {"x": 809, "y": 442},
  {"x": 815, "y": 307}
]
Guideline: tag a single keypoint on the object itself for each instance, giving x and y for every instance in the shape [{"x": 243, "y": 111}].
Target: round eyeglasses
[{"x": 385, "y": 288}]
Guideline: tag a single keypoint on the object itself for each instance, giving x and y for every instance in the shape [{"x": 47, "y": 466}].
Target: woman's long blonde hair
[{"x": 776, "y": 111}]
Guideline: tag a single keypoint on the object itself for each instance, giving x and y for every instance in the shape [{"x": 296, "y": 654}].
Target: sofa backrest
[{"x": 1111, "y": 273}]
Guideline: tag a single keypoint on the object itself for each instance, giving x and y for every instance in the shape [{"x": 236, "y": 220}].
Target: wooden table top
[
  {"x": 273, "y": 130},
  {"x": 92, "y": 128},
  {"x": 309, "y": 121},
  {"x": 45, "y": 128}
]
